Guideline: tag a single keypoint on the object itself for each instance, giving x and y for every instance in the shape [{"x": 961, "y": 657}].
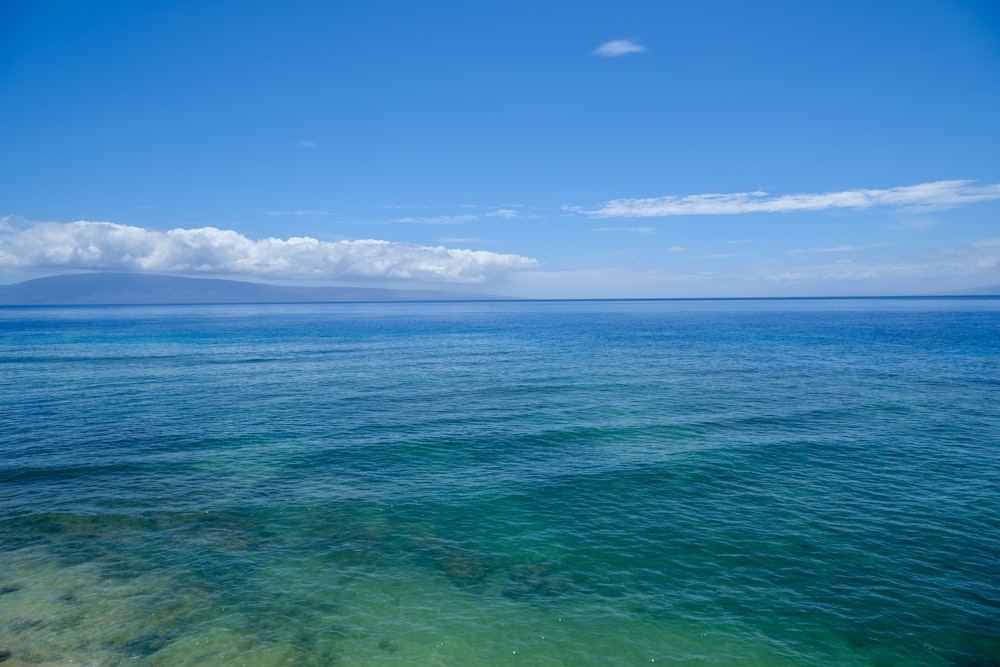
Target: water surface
[{"x": 773, "y": 482}]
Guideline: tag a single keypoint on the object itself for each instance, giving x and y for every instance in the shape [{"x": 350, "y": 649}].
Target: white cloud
[
  {"x": 632, "y": 230},
  {"x": 114, "y": 247},
  {"x": 308, "y": 211},
  {"x": 305, "y": 143},
  {"x": 469, "y": 213},
  {"x": 936, "y": 195},
  {"x": 678, "y": 248},
  {"x": 618, "y": 47},
  {"x": 839, "y": 248},
  {"x": 439, "y": 219}
]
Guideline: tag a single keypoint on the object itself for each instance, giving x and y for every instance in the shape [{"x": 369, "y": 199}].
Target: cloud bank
[
  {"x": 936, "y": 195},
  {"x": 618, "y": 47},
  {"x": 108, "y": 246}
]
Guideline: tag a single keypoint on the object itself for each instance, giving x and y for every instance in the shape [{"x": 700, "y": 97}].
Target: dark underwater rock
[
  {"x": 530, "y": 580},
  {"x": 21, "y": 624},
  {"x": 463, "y": 568},
  {"x": 459, "y": 564},
  {"x": 144, "y": 646}
]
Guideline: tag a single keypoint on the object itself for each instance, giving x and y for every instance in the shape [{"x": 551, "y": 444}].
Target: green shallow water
[{"x": 610, "y": 483}]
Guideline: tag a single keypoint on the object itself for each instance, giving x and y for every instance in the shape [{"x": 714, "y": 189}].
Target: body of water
[{"x": 759, "y": 482}]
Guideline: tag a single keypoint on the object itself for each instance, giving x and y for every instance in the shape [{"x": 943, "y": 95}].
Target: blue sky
[{"x": 542, "y": 149}]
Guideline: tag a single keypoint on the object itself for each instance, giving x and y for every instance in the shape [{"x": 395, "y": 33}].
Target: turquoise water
[{"x": 787, "y": 482}]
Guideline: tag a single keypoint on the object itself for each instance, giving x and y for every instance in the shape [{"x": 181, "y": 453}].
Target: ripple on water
[{"x": 599, "y": 484}]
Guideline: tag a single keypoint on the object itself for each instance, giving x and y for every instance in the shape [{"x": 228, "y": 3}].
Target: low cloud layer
[
  {"x": 109, "y": 246},
  {"x": 939, "y": 194},
  {"x": 968, "y": 266}
]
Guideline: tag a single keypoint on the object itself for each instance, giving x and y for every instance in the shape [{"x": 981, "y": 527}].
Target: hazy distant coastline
[
  {"x": 990, "y": 290},
  {"x": 152, "y": 289},
  {"x": 141, "y": 288}
]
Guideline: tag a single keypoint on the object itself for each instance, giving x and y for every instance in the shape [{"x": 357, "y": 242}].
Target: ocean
[{"x": 718, "y": 482}]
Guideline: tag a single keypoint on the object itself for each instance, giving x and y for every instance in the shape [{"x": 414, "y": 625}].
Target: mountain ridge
[{"x": 110, "y": 288}]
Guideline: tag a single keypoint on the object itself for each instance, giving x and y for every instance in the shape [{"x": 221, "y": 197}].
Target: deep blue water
[{"x": 769, "y": 482}]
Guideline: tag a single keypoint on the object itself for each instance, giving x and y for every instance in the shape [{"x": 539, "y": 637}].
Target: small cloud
[
  {"x": 439, "y": 219},
  {"x": 915, "y": 222},
  {"x": 835, "y": 249},
  {"x": 308, "y": 211},
  {"x": 677, "y": 248},
  {"x": 840, "y": 248},
  {"x": 505, "y": 213},
  {"x": 460, "y": 239},
  {"x": 618, "y": 47},
  {"x": 305, "y": 143},
  {"x": 631, "y": 230}
]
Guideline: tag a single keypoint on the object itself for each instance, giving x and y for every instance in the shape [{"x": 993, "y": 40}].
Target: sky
[{"x": 628, "y": 149}]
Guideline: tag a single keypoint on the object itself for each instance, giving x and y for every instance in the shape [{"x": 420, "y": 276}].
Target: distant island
[
  {"x": 97, "y": 289},
  {"x": 991, "y": 290},
  {"x": 151, "y": 289}
]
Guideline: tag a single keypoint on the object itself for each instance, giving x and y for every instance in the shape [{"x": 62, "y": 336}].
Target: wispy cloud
[
  {"x": 207, "y": 250},
  {"x": 454, "y": 214},
  {"x": 631, "y": 230},
  {"x": 835, "y": 249},
  {"x": 936, "y": 195},
  {"x": 979, "y": 259},
  {"x": 931, "y": 272},
  {"x": 618, "y": 47},
  {"x": 461, "y": 239},
  {"x": 719, "y": 255},
  {"x": 438, "y": 219},
  {"x": 308, "y": 211},
  {"x": 305, "y": 143}
]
